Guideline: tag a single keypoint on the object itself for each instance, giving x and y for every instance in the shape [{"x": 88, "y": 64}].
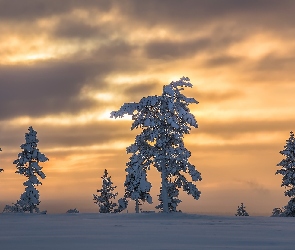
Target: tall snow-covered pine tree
[
  {"x": 27, "y": 164},
  {"x": 164, "y": 120},
  {"x": 288, "y": 172}
]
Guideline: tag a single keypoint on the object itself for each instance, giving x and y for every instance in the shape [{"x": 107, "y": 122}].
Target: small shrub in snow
[
  {"x": 27, "y": 164},
  {"x": 241, "y": 211},
  {"x": 277, "y": 212},
  {"x": 72, "y": 211},
  {"x": 288, "y": 172},
  {"x": 14, "y": 208}
]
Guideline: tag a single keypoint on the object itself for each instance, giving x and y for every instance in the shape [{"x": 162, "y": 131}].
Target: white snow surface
[{"x": 144, "y": 231}]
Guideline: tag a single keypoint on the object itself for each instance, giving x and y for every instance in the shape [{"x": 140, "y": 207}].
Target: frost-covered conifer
[
  {"x": 104, "y": 199},
  {"x": 241, "y": 211},
  {"x": 27, "y": 164},
  {"x": 164, "y": 120},
  {"x": 136, "y": 185},
  {"x": 288, "y": 172}
]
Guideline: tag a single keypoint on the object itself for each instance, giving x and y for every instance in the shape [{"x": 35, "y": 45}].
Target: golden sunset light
[{"x": 66, "y": 65}]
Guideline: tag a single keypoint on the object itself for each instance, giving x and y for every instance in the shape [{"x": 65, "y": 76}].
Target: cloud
[
  {"x": 33, "y": 9},
  {"x": 47, "y": 88},
  {"x": 71, "y": 135},
  {"x": 190, "y": 13},
  {"x": 77, "y": 29}
]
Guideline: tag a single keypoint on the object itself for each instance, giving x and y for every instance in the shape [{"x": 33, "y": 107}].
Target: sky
[{"x": 65, "y": 65}]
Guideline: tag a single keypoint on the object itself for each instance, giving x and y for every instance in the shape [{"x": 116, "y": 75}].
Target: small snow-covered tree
[
  {"x": 241, "y": 211},
  {"x": 104, "y": 199},
  {"x": 27, "y": 164},
  {"x": 164, "y": 120},
  {"x": 136, "y": 185}
]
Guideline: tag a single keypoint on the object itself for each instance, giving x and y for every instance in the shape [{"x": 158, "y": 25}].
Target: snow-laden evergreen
[
  {"x": 136, "y": 185},
  {"x": 27, "y": 164},
  {"x": 106, "y": 195},
  {"x": 288, "y": 172},
  {"x": 241, "y": 211},
  {"x": 164, "y": 120}
]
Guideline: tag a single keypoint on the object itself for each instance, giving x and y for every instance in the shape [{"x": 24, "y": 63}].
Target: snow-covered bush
[
  {"x": 14, "y": 208},
  {"x": 164, "y": 120},
  {"x": 277, "y": 212},
  {"x": 105, "y": 199},
  {"x": 27, "y": 164},
  {"x": 241, "y": 211},
  {"x": 288, "y": 172},
  {"x": 73, "y": 211}
]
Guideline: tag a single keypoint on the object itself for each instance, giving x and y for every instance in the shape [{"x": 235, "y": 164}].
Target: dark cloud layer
[
  {"x": 46, "y": 88},
  {"x": 190, "y": 13},
  {"x": 72, "y": 135},
  {"x": 30, "y": 10}
]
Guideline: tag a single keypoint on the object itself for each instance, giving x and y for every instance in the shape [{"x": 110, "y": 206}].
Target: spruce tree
[
  {"x": 27, "y": 164},
  {"x": 136, "y": 185},
  {"x": 106, "y": 195},
  {"x": 164, "y": 120},
  {"x": 288, "y": 172},
  {"x": 241, "y": 211}
]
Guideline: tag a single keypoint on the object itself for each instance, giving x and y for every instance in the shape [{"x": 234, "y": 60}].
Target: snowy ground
[{"x": 143, "y": 231}]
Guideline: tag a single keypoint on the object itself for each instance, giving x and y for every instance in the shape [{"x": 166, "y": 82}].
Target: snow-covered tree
[
  {"x": 164, "y": 120},
  {"x": 288, "y": 172},
  {"x": 136, "y": 185},
  {"x": 106, "y": 195},
  {"x": 27, "y": 164},
  {"x": 241, "y": 211}
]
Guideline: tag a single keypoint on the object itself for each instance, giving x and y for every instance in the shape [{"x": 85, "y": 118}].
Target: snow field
[{"x": 144, "y": 231}]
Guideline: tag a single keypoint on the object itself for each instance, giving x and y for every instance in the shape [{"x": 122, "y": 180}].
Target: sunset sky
[{"x": 65, "y": 65}]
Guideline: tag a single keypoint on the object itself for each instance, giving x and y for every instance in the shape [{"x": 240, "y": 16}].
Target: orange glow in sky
[{"x": 65, "y": 66}]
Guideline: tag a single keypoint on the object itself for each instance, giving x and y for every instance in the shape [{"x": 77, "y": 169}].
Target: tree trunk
[
  {"x": 164, "y": 192},
  {"x": 137, "y": 206}
]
